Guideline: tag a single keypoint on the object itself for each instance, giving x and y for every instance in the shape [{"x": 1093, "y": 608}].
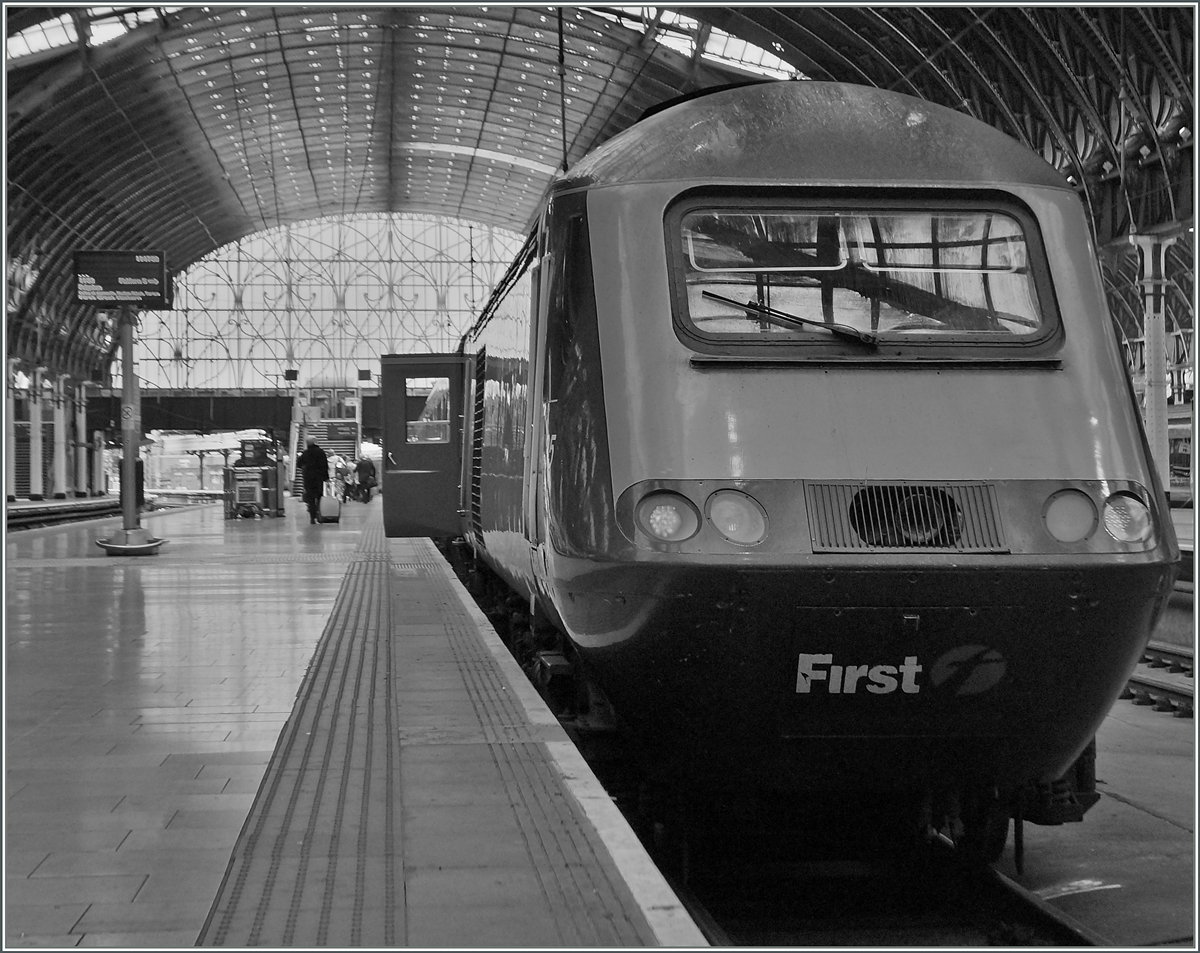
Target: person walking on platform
[
  {"x": 365, "y": 471},
  {"x": 314, "y": 465}
]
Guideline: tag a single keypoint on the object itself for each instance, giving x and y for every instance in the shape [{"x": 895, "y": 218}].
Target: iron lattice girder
[
  {"x": 206, "y": 125},
  {"x": 1047, "y": 76},
  {"x": 196, "y": 130}
]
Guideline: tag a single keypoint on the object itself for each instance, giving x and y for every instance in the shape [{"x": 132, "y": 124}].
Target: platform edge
[{"x": 665, "y": 914}]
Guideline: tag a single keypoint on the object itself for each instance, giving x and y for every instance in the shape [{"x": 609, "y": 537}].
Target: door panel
[{"x": 422, "y": 398}]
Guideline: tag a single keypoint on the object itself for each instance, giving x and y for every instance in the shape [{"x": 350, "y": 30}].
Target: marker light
[
  {"x": 737, "y": 517},
  {"x": 1070, "y": 516},
  {"x": 667, "y": 516},
  {"x": 1126, "y": 518}
]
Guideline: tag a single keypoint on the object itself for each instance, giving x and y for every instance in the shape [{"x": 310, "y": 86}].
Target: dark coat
[
  {"x": 366, "y": 471},
  {"x": 314, "y": 464}
]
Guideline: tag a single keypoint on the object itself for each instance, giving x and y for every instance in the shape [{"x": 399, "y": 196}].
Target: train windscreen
[{"x": 891, "y": 274}]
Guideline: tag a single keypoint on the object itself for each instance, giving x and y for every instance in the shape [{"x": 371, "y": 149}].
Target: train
[{"x": 800, "y": 431}]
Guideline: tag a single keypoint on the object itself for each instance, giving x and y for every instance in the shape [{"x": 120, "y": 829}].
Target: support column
[
  {"x": 10, "y": 430},
  {"x": 81, "y": 445},
  {"x": 1153, "y": 250},
  {"x": 59, "y": 490},
  {"x": 131, "y": 539},
  {"x": 35, "y": 435}
]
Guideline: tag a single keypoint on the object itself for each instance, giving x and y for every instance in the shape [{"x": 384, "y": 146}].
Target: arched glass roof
[{"x": 187, "y": 128}]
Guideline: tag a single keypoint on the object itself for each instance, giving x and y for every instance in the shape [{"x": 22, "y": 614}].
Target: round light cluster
[
  {"x": 673, "y": 518},
  {"x": 668, "y": 516},
  {"x": 1071, "y": 517},
  {"x": 737, "y": 516},
  {"x": 1127, "y": 518}
]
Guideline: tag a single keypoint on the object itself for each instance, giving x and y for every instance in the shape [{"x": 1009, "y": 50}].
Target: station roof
[{"x": 186, "y": 128}]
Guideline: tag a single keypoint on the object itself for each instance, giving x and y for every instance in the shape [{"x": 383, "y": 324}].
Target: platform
[
  {"x": 268, "y": 729},
  {"x": 1127, "y": 871},
  {"x": 282, "y": 734}
]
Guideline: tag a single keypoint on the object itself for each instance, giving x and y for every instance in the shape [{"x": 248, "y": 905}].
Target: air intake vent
[{"x": 904, "y": 517}]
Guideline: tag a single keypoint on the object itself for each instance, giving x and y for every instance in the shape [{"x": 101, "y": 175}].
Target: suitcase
[{"x": 329, "y": 508}]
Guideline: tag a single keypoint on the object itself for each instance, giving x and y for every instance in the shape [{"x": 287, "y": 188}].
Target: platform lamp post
[
  {"x": 292, "y": 376},
  {"x": 131, "y": 539}
]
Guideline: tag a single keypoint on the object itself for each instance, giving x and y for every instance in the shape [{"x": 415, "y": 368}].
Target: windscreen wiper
[{"x": 783, "y": 319}]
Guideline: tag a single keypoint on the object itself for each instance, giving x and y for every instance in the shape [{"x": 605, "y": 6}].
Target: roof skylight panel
[{"x": 42, "y": 36}]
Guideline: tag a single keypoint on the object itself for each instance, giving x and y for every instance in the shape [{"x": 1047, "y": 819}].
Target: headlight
[
  {"x": 1070, "y": 516},
  {"x": 667, "y": 516},
  {"x": 1127, "y": 518},
  {"x": 737, "y": 516}
]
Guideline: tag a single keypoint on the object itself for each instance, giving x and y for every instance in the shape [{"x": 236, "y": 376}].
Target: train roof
[{"x": 820, "y": 133}]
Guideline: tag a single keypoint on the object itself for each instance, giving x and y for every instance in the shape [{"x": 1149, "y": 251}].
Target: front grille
[{"x": 904, "y": 517}]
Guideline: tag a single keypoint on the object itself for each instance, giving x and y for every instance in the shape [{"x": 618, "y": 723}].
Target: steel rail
[
  {"x": 1166, "y": 694},
  {"x": 105, "y": 507},
  {"x": 1176, "y": 659},
  {"x": 31, "y": 517}
]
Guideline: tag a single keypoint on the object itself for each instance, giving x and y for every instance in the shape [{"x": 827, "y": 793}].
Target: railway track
[
  {"x": 834, "y": 904},
  {"x": 32, "y": 517},
  {"x": 1165, "y": 678},
  {"x": 769, "y": 879},
  {"x": 1165, "y": 685},
  {"x": 74, "y": 511}
]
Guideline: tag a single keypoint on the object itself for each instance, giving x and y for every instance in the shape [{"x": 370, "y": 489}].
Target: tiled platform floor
[
  {"x": 144, "y": 697},
  {"x": 150, "y": 696}
]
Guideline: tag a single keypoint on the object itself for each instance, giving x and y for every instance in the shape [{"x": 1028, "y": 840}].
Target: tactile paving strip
[
  {"x": 320, "y": 859},
  {"x": 587, "y": 904},
  {"x": 316, "y": 862}
]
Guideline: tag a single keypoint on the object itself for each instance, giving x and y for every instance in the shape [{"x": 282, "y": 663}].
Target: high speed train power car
[{"x": 801, "y": 425}]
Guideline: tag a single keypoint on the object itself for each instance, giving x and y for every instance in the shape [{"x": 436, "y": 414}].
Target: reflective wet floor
[
  {"x": 272, "y": 733},
  {"x": 144, "y": 696}
]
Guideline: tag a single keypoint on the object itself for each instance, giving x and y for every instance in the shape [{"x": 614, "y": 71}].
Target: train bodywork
[{"x": 802, "y": 420}]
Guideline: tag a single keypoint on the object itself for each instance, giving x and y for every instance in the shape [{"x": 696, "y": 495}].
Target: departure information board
[{"x": 114, "y": 278}]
